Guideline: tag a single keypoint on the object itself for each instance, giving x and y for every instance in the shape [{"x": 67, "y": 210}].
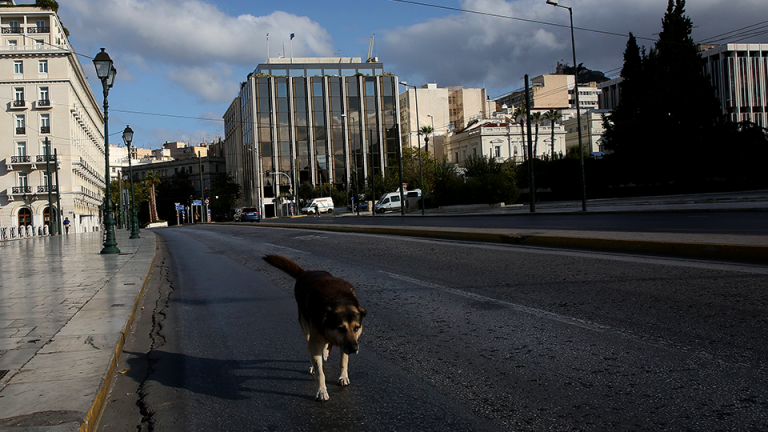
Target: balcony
[
  {"x": 44, "y": 189},
  {"x": 10, "y": 30},
  {"x": 21, "y": 130},
  {"x": 45, "y": 129},
  {"x": 23, "y": 161},
  {"x": 38, "y": 29},
  {"x": 43, "y": 104},
  {"x": 21, "y": 190},
  {"x": 18, "y": 104}
]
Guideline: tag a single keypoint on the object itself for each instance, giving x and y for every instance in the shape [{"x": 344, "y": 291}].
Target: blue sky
[{"x": 180, "y": 62}]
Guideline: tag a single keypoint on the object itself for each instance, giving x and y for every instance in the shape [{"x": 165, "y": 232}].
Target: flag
[{"x": 292, "y": 35}]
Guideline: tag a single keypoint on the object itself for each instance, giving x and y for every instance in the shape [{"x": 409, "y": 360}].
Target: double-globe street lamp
[
  {"x": 106, "y": 72},
  {"x": 128, "y": 139},
  {"x": 578, "y": 111},
  {"x": 418, "y": 128}
]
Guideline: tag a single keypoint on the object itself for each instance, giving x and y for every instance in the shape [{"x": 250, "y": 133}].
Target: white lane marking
[
  {"x": 517, "y": 307},
  {"x": 588, "y": 325},
  {"x": 286, "y": 248}
]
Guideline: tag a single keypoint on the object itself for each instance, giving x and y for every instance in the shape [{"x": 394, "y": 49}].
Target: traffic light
[{"x": 266, "y": 173}]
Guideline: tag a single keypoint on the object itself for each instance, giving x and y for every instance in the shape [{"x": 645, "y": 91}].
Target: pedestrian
[
  {"x": 66, "y": 225},
  {"x": 317, "y": 210}
]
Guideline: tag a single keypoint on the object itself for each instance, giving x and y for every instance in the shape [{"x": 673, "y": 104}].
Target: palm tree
[
  {"x": 151, "y": 180},
  {"x": 553, "y": 116},
  {"x": 521, "y": 114},
  {"x": 427, "y": 131},
  {"x": 536, "y": 119}
]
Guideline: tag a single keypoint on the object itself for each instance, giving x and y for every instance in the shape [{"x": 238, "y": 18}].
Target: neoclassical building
[
  {"x": 316, "y": 120},
  {"x": 46, "y": 96}
]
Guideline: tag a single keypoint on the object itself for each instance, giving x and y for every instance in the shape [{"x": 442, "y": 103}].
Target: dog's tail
[{"x": 285, "y": 265}]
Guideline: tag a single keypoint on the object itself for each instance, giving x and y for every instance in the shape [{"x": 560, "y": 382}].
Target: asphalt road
[
  {"x": 731, "y": 222},
  {"x": 459, "y": 336}
]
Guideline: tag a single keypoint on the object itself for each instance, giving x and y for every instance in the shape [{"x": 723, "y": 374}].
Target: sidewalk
[{"x": 64, "y": 311}]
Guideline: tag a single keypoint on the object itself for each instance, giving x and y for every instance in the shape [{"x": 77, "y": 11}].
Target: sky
[{"x": 180, "y": 62}]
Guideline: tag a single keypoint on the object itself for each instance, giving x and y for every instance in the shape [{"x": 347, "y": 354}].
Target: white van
[
  {"x": 388, "y": 202},
  {"x": 324, "y": 205}
]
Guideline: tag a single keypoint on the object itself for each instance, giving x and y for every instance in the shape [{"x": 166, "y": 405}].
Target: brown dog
[{"x": 329, "y": 314}]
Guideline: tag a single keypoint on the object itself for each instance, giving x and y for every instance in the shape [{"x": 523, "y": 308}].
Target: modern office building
[
  {"x": 47, "y": 99},
  {"x": 313, "y": 120},
  {"x": 739, "y": 73}
]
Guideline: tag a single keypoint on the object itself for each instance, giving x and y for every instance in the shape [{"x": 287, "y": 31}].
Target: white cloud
[
  {"x": 189, "y": 32},
  {"x": 211, "y": 84},
  {"x": 478, "y": 50}
]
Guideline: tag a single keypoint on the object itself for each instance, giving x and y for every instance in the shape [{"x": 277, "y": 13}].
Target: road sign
[
  {"x": 207, "y": 201},
  {"x": 179, "y": 207},
  {"x": 197, "y": 202}
]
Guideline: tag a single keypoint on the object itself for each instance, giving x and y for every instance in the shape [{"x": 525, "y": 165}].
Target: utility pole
[{"x": 531, "y": 186}]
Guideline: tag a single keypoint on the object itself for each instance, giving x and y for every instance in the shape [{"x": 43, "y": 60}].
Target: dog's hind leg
[
  {"x": 316, "y": 351},
  {"x": 344, "y": 377}
]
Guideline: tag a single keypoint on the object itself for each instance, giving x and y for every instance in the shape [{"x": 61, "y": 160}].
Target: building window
[
  {"x": 18, "y": 96},
  {"x": 21, "y": 148},
  {"x": 18, "y": 67},
  {"x": 12, "y": 43},
  {"x": 42, "y": 66},
  {"x": 44, "y": 94},
  {"x": 474, "y": 151},
  {"x": 20, "y": 127},
  {"x": 45, "y": 123},
  {"x": 498, "y": 151},
  {"x": 23, "y": 179}
]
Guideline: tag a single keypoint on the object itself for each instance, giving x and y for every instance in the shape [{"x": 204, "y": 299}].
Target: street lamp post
[
  {"x": 106, "y": 72},
  {"x": 578, "y": 111},
  {"x": 128, "y": 138},
  {"x": 418, "y": 128}
]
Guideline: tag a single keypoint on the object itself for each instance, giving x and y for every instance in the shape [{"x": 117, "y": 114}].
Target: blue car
[{"x": 250, "y": 214}]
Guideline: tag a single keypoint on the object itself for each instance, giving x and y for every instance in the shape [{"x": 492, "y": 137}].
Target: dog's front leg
[
  {"x": 316, "y": 351},
  {"x": 344, "y": 377}
]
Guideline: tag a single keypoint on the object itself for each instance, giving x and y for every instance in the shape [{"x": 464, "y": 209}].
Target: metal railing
[
  {"x": 21, "y": 130},
  {"x": 19, "y": 103},
  {"x": 21, "y": 189},
  {"x": 21, "y": 159},
  {"x": 45, "y": 158},
  {"x": 44, "y": 103},
  {"x": 45, "y": 129},
  {"x": 44, "y": 189},
  {"x": 7, "y": 30},
  {"x": 38, "y": 29}
]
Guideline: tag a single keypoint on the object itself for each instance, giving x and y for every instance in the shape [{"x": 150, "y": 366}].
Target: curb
[
  {"x": 92, "y": 417},
  {"x": 681, "y": 249}
]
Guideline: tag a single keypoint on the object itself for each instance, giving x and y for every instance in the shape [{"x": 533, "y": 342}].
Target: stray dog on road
[{"x": 329, "y": 314}]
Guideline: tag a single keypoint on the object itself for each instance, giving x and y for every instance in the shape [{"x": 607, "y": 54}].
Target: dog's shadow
[{"x": 223, "y": 379}]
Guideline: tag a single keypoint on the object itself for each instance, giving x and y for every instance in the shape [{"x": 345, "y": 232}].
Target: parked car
[
  {"x": 363, "y": 206},
  {"x": 249, "y": 214}
]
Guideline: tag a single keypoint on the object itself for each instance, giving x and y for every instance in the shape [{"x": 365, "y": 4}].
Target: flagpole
[
  {"x": 267, "y": 46},
  {"x": 291, "y": 47}
]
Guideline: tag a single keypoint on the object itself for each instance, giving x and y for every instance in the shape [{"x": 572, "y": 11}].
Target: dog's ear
[
  {"x": 328, "y": 310},
  {"x": 362, "y": 311}
]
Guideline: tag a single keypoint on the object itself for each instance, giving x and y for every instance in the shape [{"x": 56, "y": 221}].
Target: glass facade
[{"x": 318, "y": 124}]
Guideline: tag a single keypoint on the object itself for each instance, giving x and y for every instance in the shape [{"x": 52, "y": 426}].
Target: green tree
[
  {"x": 521, "y": 114},
  {"x": 226, "y": 191},
  {"x": 536, "y": 119},
  {"x": 553, "y": 116}
]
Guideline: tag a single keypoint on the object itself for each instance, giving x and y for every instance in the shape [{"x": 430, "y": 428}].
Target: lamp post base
[
  {"x": 135, "y": 228},
  {"x": 110, "y": 245}
]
